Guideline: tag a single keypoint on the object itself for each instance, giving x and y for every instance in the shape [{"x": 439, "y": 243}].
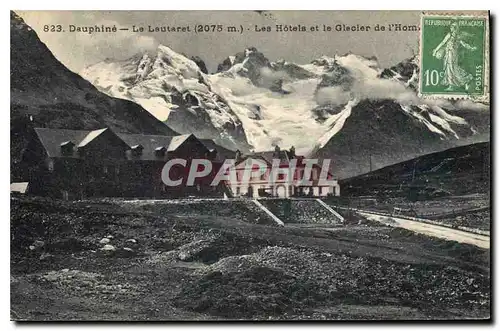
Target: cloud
[
  {"x": 468, "y": 104},
  {"x": 77, "y": 50},
  {"x": 383, "y": 89},
  {"x": 334, "y": 95},
  {"x": 269, "y": 77},
  {"x": 374, "y": 89},
  {"x": 239, "y": 86},
  {"x": 118, "y": 45}
]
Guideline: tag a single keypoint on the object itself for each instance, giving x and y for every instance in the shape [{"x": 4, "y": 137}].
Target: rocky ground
[
  {"x": 111, "y": 260},
  {"x": 475, "y": 220}
]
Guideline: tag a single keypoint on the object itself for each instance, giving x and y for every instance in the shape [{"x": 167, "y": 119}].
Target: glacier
[{"x": 253, "y": 104}]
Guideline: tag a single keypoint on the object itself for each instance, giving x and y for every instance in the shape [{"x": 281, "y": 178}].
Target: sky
[{"x": 79, "y": 50}]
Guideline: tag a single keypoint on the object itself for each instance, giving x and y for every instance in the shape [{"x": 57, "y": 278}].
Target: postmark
[{"x": 454, "y": 52}]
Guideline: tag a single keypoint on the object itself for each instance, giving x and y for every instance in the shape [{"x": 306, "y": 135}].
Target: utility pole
[
  {"x": 414, "y": 169},
  {"x": 371, "y": 166}
]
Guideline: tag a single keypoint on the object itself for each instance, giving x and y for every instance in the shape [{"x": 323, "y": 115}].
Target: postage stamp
[{"x": 454, "y": 56}]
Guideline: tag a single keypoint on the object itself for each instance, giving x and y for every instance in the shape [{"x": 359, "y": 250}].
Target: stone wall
[{"x": 299, "y": 211}]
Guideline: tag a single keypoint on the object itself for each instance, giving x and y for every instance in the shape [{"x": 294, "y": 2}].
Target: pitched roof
[
  {"x": 91, "y": 136},
  {"x": 177, "y": 141},
  {"x": 269, "y": 156},
  {"x": 52, "y": 139},
  {"x": 20, "y": 187},
  {"x": 210, "y": 144},
  {"x": 149, "y": 144},
  {"x": 222, "y": 153}
]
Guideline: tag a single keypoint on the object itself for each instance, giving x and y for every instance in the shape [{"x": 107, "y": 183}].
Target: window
[
  {"x": 137, "y": 150},
  {"x": 67, "y": 148},
  {"x": 50, "y": 165},
  {"x": 105, "y": 169}
]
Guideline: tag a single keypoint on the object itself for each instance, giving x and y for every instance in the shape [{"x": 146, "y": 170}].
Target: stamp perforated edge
[{"x": 485, "y": 97}]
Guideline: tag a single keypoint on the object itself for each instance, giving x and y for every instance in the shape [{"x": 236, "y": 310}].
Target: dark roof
[
  {"x": 52, "y": 139},
  {"x": 91, "y": 136},
  {"x": 149, "y": 144},
  {"x": 210, "y": 144},
  {"x": 269, "y": 156},
  {"x": 222, "y": 152}
]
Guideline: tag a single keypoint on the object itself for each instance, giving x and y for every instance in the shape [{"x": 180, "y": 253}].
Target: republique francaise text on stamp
[{"x": 454, "y": 56}]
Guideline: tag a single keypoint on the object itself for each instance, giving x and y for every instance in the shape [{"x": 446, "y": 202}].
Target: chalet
[
  {"x": 76, "y": 164},
  {"x": 285, "y": 184}
]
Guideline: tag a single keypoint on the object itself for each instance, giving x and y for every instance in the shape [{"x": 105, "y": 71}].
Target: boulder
[
  {"x": 126, "y": 252},
  {"x": 108, "y": 248},
  {"x": 37, "y": 244},
  {"x": 104, "y": 241},
  {"x": 46, "y": 257},
  {"x": 200, "y": 250}
]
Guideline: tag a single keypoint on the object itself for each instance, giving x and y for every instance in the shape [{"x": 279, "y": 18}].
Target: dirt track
[
  {"x": 432, "y": 230},
  {"x": 170, "y": 264}
]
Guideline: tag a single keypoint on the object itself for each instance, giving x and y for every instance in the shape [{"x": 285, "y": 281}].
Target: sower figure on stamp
[{"x": 454, "y": 75}]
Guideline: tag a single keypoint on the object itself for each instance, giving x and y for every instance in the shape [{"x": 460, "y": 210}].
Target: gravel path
[{"x": 432, "y": 230}]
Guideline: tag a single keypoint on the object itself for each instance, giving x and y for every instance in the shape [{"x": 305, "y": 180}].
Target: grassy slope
[{"x": 463, "y": 170}]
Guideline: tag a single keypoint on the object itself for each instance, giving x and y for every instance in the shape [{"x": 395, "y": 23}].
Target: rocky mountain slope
[
  {"x": 342, "y": 107},
  {"x": 459, "y": 171},
  {"x": 44, "y": 93}
]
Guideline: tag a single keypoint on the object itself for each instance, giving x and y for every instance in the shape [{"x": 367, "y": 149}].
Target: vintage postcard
[{"x": 250, "y": 165}]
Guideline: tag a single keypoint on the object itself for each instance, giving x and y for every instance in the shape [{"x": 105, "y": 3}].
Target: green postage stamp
[{"x": 454, "y": 56}]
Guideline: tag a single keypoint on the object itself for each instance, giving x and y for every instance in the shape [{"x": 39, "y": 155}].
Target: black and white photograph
[{"x": 257, "y": 165}]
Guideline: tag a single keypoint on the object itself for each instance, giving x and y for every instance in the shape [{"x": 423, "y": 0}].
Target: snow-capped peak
[
  {"x": 249, "y": 51},
  {"x": 254, "y": 103}
]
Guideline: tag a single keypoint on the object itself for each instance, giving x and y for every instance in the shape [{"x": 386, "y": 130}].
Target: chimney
[
  {"x": 237, "y": 156},
  {"x": 277, "y": 151}
]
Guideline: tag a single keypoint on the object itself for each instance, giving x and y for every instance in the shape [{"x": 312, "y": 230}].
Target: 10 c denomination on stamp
[{"x": 454, "y": 56}]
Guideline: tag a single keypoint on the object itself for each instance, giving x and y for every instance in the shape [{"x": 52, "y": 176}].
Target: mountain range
[{"x": 343, "y": 107}]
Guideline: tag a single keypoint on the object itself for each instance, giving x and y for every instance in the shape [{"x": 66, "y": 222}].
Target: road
[{"x": 433, "y": 230}]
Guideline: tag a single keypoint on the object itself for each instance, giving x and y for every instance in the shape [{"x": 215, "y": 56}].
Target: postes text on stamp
[{"x": 453, "y": 56}]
